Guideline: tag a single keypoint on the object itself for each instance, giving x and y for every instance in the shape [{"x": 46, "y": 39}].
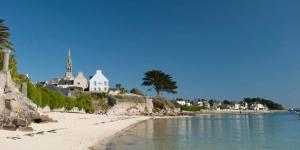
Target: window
[
  {"x": 95, "y": 83},
  {"x": 105, "y": 83},
  {"x": 99, "y": 89},
  {"x": 105, "y": 89},
  {"x": 95, "y": 89},
  {"x": 78, "y": 83}
]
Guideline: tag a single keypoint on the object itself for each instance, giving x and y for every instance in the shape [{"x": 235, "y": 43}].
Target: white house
[
  {"x": 98, "y": 83},
  {"x": 200, "y": 103},
  {"x": 188, "y": 103},
  {"x": 237, "y": 106},
  {"x": 181, "y": 102},
  {"x": 258, "y": 106},
  {"x": 244, "y": 106}
]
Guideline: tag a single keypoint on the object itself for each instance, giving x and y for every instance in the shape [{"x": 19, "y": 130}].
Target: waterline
[{"x": 274, "y": 131}]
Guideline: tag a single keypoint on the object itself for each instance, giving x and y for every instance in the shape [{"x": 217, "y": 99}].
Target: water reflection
[{"x": 211, "y": 132}]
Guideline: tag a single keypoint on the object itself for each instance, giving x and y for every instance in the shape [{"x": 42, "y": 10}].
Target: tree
[
  {"x": 5, "y": 43},
  {"x": 160, "y": 81},
  {"x": 120, "y": 88}
]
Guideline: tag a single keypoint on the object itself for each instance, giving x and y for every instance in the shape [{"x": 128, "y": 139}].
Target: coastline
[
  {"x": 81, "y": 131},
  {"x": 73, "y": 131},
  {"x": 211, "y": 112}
]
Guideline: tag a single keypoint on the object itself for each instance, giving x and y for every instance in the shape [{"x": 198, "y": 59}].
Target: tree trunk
[
  {"x": 157, "y": 92},
  {"x": 5, "y": 61}
]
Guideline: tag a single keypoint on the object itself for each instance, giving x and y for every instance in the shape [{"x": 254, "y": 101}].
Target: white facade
[
  {"x": 237, "y": 106},
  {"x": 181, "y": 102},
  {"x": 200, "y": 103},
  {"x": 98, "y": 83},
  {"x": 260, "y": 107},
  {"x": 244, "y": 106},
  {"x": 188, "y": 104}
]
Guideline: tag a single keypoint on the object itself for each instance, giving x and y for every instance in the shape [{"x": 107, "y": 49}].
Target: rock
[
  {"x": 17, "y": 111},
  {"x": 25, "y": 129},
  {"x": 10, "y": 127},
  {"x": 46, "y": 118}
]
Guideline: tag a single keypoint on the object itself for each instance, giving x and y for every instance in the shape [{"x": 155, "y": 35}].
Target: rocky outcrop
[
  {"x": 16, "y": 110},
  {"x": 163, "y": 107},
  {"x": 132, "y": 108}
]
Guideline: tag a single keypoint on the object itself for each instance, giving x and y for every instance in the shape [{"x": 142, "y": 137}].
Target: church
[{"x": 97, "y": 83}]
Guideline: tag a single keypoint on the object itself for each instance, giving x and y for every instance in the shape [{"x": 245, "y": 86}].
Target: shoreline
[
  {"x": 212, "y": 112},
  {"x": 102, "y": 143},
  {"x": 73, "y": 131},
  {"x": 77, "y": 131}
]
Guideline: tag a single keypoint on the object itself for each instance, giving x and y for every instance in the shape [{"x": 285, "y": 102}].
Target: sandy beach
[{"x": 73, "y": 131}]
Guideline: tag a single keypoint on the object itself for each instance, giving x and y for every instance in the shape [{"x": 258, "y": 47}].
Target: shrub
[
  {"x": 111, "y": 101},
  {"x": 161, "y": 103},
  {"x": 136, "y": 91}
]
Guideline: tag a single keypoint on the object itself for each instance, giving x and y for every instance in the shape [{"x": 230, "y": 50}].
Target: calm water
[{"x": 274, "y": 131}]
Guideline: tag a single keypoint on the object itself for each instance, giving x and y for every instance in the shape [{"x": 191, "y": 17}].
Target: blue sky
[{"x": 213, "y": 49}]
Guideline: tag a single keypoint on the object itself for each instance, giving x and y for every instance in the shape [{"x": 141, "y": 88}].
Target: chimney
[{"x": 99, "y": 71}]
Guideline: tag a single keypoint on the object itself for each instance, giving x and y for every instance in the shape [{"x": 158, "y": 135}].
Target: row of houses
[
  {"x": 216, "y": 105},
  {"x": 96, "y": 83}
]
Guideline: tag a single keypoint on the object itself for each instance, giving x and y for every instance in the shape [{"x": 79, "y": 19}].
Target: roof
[
  {"x": 66, "y": 82},
  {"x": 58, "y": 89},
  {"x": 98, "y": 76}
]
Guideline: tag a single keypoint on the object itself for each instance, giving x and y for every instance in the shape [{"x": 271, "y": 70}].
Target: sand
[{"x": 73, "y": 131}]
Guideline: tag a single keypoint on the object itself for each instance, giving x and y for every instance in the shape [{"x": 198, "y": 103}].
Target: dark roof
[
  {"x": 66, "y": 82},
  {"x": 58, "y": 89}
]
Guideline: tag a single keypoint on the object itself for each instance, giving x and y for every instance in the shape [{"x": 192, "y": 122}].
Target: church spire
[{"x": 69, "y": 75}]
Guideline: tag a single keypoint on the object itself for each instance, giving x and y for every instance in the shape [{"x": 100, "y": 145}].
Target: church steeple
[{"x": 69, "y": 75}]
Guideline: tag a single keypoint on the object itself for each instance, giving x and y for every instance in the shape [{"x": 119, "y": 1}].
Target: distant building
[
  {"x": 244, "y": 106},
  {"x": 200, "y": 103},
  {"x": 98, "y": 82},
  {"x": 81, "y": 81},
  {"x": 65, "y": 83},
  {"x": 188, "y": 103},
  {"x": 114, "y": 91},
  {"x": 69, "y": 68},
  {"x": 68, "y": 80},
  {"x": 180, "y": 101},
  {"x": 237, "y": 106},
  {"x": 55, "y": 81},
  {"x": 258, "y": 106}
]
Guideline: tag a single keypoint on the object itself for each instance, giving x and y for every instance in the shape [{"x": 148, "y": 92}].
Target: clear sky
[{"x": 213, "y": 49}]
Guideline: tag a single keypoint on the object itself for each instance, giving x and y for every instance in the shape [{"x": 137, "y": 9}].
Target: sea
[{"x": 261, "y": 131}]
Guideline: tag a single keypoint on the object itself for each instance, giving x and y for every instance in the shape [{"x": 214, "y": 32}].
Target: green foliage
[
  {"x": 120, "y": 88},
  {"x": 46, "y": 97},
  {"x": 136, "y": 91},
  {"x": 271, "y": 105},
  {"x": 130, "y": 98},
  {"x": 84, "y": 101},
  {"x": 5, "y": 43},
  {"x": 160, "y": 81},
  {"x": 16, "y": 77},
  {"x": 188, "y": 108},
  {"x": 191, "y": 108}
]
